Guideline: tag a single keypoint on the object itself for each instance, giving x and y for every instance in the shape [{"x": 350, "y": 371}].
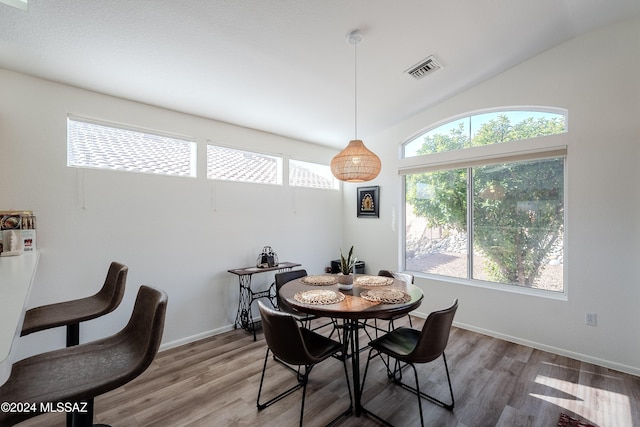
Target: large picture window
[{"x": 488, "y": 215}]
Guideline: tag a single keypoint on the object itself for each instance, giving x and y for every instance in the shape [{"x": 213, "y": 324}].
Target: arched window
[
  {"x": 485, "y": 129},
  {"x": 484, "y": 200}
]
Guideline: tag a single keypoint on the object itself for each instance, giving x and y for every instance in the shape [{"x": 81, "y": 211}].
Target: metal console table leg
[{"x": 247, "y": 296}]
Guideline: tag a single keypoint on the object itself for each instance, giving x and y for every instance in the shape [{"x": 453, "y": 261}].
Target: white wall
[
  {"x": 596, "y": 78},
  {"x": 178, "y": 234}
]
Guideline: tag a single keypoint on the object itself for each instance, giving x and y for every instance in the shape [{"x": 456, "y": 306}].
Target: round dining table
[{"x": 372, "y": 297}]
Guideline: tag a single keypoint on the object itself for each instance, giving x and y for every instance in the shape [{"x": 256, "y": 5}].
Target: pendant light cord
[{"x": 355, "y": 79}]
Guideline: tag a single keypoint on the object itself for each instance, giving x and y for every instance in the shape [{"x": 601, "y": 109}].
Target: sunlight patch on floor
[{"x": 585, "y": 401}]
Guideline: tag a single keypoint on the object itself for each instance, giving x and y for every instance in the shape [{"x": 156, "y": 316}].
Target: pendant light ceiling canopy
[{"x": 356, "y": 163}]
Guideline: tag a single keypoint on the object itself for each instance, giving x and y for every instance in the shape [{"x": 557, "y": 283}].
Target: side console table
[{"x": 247, "y": 295}]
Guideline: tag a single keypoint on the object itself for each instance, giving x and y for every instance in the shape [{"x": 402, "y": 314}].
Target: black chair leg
[
  {"x": 84, "y": 418},
  {"x": 396, "y": 375},
  {"x": 303, "y": 379},
  {"x": 302, "y": 382},
  {"x": 73, "y": 334},
  {"x": 416, "y": 390},
  {"x": 73, "y": 339}
]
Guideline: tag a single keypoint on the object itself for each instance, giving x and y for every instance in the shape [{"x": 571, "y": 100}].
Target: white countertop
[{"x": 16, "y": 276}]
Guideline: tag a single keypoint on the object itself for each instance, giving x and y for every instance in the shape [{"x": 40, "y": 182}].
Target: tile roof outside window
[
  {"x": 92, "y": 145},
  {"x": 313, "y": 175},
  {"x": 236, "y": 165}
]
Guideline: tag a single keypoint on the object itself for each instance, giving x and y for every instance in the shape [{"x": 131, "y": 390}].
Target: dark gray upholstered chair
[
  {"x": 304, "y": 318},
  {"x": 82, "y": 372},
  {"x": 281, "y": 279},
  {"x": 71, "y": 313},
  {"x": 409, "y": 346},
  {"x": 406, "y": 277},
  {"x": 296, "y": 346}
]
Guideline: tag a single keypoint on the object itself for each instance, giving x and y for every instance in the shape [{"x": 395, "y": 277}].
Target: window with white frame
[
  {"x": 311, "y": 175},
  {"x": 246, "y": 166},
  {"x": 91, "y": 144},
  {"x": 487, "y": 207}
]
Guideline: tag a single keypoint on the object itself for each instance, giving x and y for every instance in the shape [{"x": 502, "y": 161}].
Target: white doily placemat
[
  {"x": 319, "y": 280},
  {"x": 319, "y": 296},
  {"x": 373, "y": 281},
  {"x": 387, "y": 296}
]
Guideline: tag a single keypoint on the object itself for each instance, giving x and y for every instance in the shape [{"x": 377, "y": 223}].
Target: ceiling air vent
[{"x": 423, "y": 68}]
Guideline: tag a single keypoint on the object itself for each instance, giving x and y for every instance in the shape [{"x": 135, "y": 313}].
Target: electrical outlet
[{"x": 591, "y": 319}]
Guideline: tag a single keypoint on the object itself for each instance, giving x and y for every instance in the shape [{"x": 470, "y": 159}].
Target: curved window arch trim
[{"x": 453, "y": 120}]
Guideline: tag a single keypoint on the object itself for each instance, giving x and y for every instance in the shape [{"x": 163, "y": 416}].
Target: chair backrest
[
  {"x": 407, "y": 277},
  {"x": 144, "y": 330},
  {"x": 434, "y": 336},
  {"x": 113, "y": 289},
  {"x": 287, "y": 276},
  {"x": 283, "y": 336}
]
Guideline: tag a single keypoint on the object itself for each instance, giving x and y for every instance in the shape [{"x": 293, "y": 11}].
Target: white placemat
[
  {"x": 319, "y": 296},
  {"x": 373, "y": 281},
  {"x": 319, "y": 280},
  {"x": 387, "y": 296}
]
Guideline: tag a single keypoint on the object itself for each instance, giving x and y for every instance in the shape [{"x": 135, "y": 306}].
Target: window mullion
[{"x": 470, "y": 223}]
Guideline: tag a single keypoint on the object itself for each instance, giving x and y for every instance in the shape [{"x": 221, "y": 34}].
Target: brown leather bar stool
[
  {"x": 82, "y": 372},
  {"x": 71, "y": 313}
]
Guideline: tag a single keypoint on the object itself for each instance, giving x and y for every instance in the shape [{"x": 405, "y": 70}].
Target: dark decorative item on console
[{"x": 268, "y": 258}]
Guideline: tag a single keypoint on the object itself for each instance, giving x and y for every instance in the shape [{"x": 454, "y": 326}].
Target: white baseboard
[
  {"x": 560, "y": 351},
  {"x": 192, "y": 338},
  {"x": 556, "y": 350}
]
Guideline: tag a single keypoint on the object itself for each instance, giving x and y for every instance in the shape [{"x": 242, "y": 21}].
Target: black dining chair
[
  {"x": 405, "y": 277},
  {"x": 304, "y": 318},
  {"x": 282, "y": 278},
  {"x": 409, "y": 346},
  {"x": 297, "y": 346}
]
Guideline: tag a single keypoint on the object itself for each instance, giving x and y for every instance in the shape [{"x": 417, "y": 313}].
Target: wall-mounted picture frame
[{"x": 368, "y": 202}]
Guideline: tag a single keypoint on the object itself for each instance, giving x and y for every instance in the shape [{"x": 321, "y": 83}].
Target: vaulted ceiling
[{"x": 284, "y": 66}]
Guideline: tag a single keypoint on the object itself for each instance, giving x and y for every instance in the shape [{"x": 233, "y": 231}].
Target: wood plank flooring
[{"x": 214, "y": 382}]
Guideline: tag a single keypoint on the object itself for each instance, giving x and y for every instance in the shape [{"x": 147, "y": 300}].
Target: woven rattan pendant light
[{"x": 356, "y": 163}]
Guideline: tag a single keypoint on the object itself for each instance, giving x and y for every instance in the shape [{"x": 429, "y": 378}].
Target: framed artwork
[{"x": 368, "y": 202}]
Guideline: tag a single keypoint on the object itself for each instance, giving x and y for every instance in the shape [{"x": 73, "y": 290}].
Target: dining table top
[{"x": 370, "y": 297}]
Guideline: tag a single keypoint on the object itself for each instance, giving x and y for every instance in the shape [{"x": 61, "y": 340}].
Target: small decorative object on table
[
  {"x": 18, "y": 230},
  {"x": 345, "y": 277},
  {"x": 267, "y": 259},
  {"x": 12, "y": 244}
]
